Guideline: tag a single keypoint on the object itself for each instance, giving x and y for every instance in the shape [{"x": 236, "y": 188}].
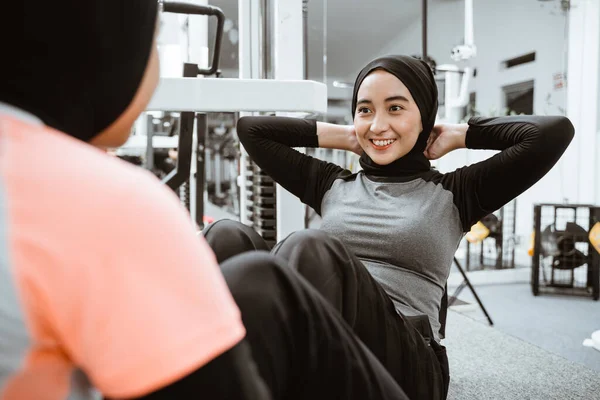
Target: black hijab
[
  {"x": 418, "y": 77},
  {"x": 75, "y": 64}
]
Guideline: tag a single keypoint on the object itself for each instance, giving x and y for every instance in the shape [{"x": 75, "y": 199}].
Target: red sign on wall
[{"x": 559, "y": 80}]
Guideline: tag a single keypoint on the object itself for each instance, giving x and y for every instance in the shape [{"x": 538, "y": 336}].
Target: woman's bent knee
[
  {"x": 228, "y": 238},
  {"x": 261, "y": 286},
  {"x": 252, "y": 275},
  {"x": 301, "y": 244},
  {"x": 306, "y": 237},
  {"x": 222, "y": 228}
]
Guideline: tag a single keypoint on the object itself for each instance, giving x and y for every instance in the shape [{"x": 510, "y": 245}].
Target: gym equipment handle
[{"x": 181, "y": 7}]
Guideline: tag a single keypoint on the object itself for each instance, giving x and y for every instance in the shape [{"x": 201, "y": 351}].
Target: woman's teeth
[{"x": 382, "y": 143}]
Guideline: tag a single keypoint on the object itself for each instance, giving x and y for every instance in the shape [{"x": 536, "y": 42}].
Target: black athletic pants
[{"x": 293, "y": 304}]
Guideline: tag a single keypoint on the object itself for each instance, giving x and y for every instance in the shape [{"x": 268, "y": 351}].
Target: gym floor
[{"x": 558, "y": 324}]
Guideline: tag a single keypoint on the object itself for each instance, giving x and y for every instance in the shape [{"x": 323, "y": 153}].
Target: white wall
[
  {"x": 598, "y": 133},
  {"x": 582, "y": 98},
  {"x": 445, "y": 30},
  {"x": 503, "y": 30}
]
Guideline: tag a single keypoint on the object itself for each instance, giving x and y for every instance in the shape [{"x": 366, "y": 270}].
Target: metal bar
[
  {"x": 514, "y": 229},
  {"x": 267, "y": 39},
  {"x": 261, "y": 21},
  {"x": 305, "y": 35},
  {"x": 466, "y": 280},
  {"x": 201, "y": 132},
  {"x": 537, "y": 247},
  {"x": 468, "y": 255},
  {"x": 456, "y": 293},
  {"x": 239, "y": 95},
  {"x": 594, "y": 261},
  {"x": 424, "y": 33},
  {"x": 179, "y": 7},
  {"x": 182, "y": 7},
  {"x": 149, "y": 142},
  {"x": 500, "y": 252},
  {"x": 181, "y": 173},
  {"x": 481, "y": 264}
]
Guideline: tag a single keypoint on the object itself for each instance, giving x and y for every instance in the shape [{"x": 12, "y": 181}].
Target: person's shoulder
[
  {"x": 449, "y": 181},
  {"x": 124, "y": 192},
  {"x": 71, "y": 206},
  {"x": 107, "y": 180},
  {"x": 37, "y": 150},
  {"x": 433, "y": 175},
  {"x": 83, "y": 186}
]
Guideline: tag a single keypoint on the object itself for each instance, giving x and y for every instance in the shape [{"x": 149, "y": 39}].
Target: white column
[
  {"x": 288, "y": 64},
  {"x": 250, "y": 42},
  {"x": 581, "y": 172},
  {"x": 250, "y": 59},
  {"x": 597, "y": 156}
]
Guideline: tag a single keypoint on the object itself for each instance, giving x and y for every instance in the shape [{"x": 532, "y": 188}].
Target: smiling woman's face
[{"x": 387, "y": 120}]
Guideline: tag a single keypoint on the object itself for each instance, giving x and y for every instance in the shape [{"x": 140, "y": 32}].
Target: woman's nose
[{"x": 379, "y": 124}]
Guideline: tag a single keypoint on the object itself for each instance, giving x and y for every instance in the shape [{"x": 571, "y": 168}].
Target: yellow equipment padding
[
  {"x": 531, "y": 244},
  {"x": 477, "y": 233},
  {"x": 595, "y": 236}
]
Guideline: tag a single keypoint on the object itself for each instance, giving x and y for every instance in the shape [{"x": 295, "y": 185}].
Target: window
[
  {"x": 520, "y": 60},
  {"x": 518, "y": 98}
]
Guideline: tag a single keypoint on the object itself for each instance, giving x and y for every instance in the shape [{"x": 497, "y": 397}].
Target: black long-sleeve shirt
[{"x": 406, "y": 229}]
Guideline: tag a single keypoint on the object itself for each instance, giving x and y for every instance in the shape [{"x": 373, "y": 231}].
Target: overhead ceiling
[{"x": 354, "y": 31}]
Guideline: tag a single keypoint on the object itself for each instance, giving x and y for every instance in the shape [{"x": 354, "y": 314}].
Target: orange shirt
[{"x": 104, "y": 284}]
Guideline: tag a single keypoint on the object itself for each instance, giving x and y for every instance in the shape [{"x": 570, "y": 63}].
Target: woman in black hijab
[{"x": 388, "y": 235}]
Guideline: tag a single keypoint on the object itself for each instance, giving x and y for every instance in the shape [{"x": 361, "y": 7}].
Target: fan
[{"x": 560, "y": 245}]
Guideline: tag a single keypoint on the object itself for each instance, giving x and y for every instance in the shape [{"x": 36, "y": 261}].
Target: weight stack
[
  {"x": 184, "y": 194},
  {"x": 261, "y": 204}
]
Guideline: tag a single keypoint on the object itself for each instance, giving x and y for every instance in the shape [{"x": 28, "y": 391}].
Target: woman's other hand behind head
[
  {"x": 445, "y": 138},
  {"x": 353, "y": 144}
]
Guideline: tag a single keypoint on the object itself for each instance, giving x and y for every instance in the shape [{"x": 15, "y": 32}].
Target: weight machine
[{"x": 194, "y": 95}]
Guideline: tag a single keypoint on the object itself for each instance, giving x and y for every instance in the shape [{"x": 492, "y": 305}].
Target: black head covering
[
  {"x": 418, "y": 77},
  {"x": 75, "y": 64}
]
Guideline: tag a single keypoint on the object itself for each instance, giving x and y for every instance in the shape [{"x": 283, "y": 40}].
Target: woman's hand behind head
[
  {"x": 445, "y": 138},
  {"x": 353, "y": 144}
]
